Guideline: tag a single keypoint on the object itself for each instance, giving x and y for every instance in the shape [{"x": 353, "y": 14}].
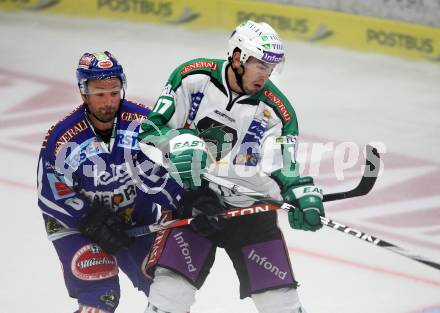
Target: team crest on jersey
[
  {"x": 90, "y": 262},
  {"x": 219, "y": 138}
]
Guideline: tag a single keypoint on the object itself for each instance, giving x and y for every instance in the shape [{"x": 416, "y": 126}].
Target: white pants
[{"x": 171, "y": 293}]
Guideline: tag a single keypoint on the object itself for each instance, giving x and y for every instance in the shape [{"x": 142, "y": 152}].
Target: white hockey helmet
[{"x": 258, "y": 40}]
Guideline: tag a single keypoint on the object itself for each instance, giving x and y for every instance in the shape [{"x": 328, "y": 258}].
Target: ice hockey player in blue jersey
[{"x": 94, "y": 183}]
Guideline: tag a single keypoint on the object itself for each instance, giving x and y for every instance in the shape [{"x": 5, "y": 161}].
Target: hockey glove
[
  {"x": 204, "y": 205},
  {"x": 106, "y": 228},
  {"x": 307, "y": 199},
  {"x": 188, "y": 158},
  {"x": 154, "y": 132}
]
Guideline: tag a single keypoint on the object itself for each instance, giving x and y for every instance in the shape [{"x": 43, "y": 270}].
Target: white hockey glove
[{"x": 188, "y": 158}]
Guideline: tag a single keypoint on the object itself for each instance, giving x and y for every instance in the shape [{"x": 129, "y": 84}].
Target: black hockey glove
[
  {"x": 204, "y": 205},
  {"x": 106, "y": 228}
]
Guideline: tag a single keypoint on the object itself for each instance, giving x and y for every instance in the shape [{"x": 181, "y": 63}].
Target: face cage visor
[
  {"x": 97, "y": 91},
  {"x": 263, "y": 68},
  {"x": 86, "y": 90},
  {"x": 272, "y": 63}
]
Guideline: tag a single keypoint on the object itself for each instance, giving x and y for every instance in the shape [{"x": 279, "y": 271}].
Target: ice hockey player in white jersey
[{"x": 251, "y": 132}]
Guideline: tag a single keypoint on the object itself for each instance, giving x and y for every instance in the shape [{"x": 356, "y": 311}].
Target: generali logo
[
  {"x": 198, "y": 65},
  {"x": 280, "y": 105}
]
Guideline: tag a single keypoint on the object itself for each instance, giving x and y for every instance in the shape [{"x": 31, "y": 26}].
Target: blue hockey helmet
[{"x": 98, "y": 65}]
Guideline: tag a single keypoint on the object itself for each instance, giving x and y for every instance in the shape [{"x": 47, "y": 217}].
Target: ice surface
[{"x": 339, "y": 96}]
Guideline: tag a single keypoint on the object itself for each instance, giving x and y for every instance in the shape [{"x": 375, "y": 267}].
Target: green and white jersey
[{"x": 249, "y": 137}]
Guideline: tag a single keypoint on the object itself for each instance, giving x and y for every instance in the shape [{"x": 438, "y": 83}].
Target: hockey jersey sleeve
[
  {"x": 57, "y": 197},
  {"x": 280, "y": 143},
  {"x": 279, "y": 150},
  {"x": 174, "y": 106}
]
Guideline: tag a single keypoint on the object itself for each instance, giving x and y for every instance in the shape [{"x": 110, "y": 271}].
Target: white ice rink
[{"x": 340, "y": 96}]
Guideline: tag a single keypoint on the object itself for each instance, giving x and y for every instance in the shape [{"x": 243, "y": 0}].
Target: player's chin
[
  {"x": 253, "y": 89},
  {"x": 107, "y": 117}
]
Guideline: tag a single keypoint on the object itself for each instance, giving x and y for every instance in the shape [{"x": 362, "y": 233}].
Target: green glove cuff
[
  {"x": 190, "y": 131},
  {"x": 288, "y": 182},
  {"x": 154, "y": 131},
  {"x": 307, "y": 199}
]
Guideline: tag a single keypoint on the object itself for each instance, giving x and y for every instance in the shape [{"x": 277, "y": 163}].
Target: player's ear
[
  {"x": 84, "y": 98},
  {"x": 236, "y": 59}
]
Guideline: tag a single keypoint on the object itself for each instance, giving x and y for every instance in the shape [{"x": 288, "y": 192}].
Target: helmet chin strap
[{"x": 239, "y": 77}]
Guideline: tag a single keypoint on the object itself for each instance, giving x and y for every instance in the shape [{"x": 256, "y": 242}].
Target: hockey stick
[
  {"x": 273, "y": 205},
  {"x": 371, "y": 171},
  {"x": 162, "y": 225},
  {"x": 378, "y": 242},
  {"x": 369, "y": 177},
  {"x": 364, "y": 186}
]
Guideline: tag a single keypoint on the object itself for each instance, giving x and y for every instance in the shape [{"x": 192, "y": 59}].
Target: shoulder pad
[
  {"x": 271, "y": 95},
  {"x": 206, "y": 65},
  {"x": 64, "y": 130},
  {"x": 131, "y": 111}
]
